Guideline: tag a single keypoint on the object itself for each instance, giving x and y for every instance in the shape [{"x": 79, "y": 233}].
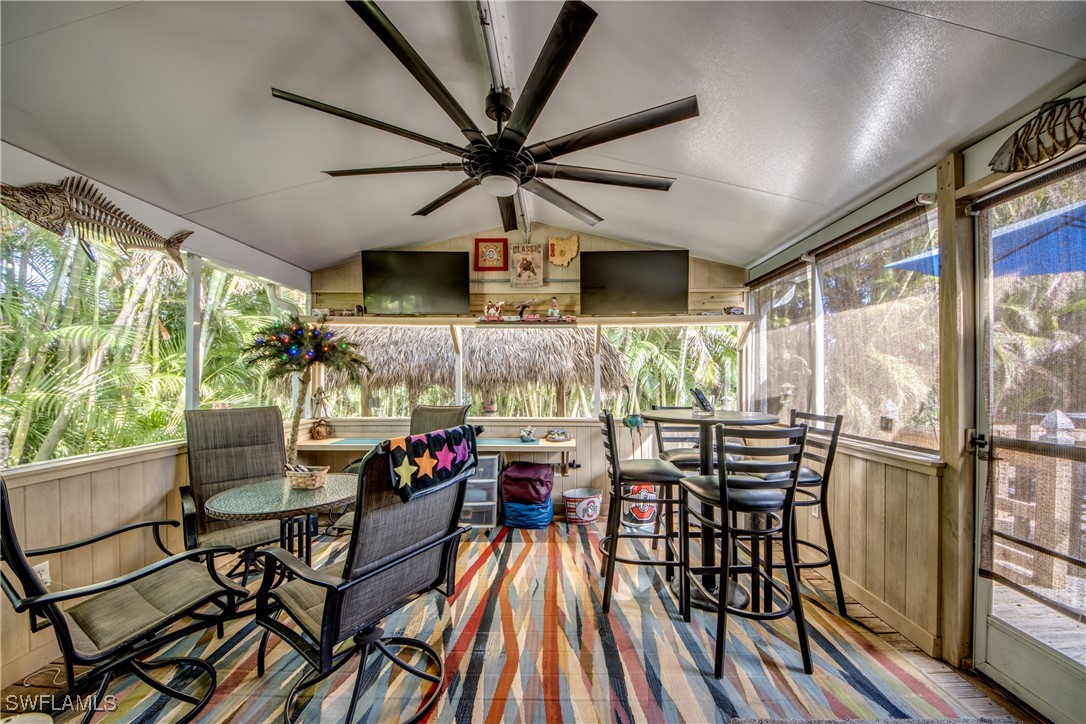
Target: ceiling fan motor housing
[{"x": 483, "y": 162}]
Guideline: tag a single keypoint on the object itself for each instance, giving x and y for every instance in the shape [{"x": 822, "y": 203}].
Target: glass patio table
[
  {"x": 293, "y": 507},
  {"x": 737, "y": 596}
]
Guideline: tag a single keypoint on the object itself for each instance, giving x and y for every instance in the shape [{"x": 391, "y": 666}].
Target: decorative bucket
[
  {"x": 310, "y": 479},
  {"x": 642, "y": 513},
  {"x": 582, "y": 505}
]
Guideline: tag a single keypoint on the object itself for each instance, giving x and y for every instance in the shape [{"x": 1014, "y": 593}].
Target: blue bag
[{"x": 528, "y": 515}]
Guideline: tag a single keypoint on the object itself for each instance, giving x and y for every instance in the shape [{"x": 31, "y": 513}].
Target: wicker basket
[{"x": 312, "y": 478}]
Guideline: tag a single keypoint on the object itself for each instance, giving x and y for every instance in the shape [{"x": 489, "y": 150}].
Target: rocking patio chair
[{"x": 122, "y": 621}]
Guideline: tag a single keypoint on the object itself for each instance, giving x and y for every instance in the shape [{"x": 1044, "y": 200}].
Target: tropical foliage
[
  {"x": 665, "y": 362},
  {"x": 92, "y": 354},
  {"x": 1038, "y": 322}
]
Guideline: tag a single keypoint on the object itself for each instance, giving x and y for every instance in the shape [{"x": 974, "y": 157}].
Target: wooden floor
[
  {"x": 973, "y": 695},
  {"x": 1041, "y": 622}
]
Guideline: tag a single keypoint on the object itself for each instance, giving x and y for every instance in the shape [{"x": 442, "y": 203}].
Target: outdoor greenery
[
  {"x": 1038, "y": 322},
  {"x": 879, "y": 339},
  {"x": 665, "y": 362},
  {"x": 92, "y": 354}
]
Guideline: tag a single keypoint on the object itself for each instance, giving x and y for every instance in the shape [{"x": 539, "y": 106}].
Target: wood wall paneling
[
  {"x": 713, "y": 286},
  {"x": 68, "y": 500}
]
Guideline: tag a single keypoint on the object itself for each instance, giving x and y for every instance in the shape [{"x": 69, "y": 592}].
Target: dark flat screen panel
[
  {"x": 624, "y": 282},
  {"x": 415, "y": 282}
]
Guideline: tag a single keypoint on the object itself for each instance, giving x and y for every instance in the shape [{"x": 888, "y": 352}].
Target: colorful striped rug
[{"x": 524, "y": 639}]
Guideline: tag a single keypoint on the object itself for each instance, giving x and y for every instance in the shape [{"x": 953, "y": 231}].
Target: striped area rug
[{"x": 524, "y": 639}]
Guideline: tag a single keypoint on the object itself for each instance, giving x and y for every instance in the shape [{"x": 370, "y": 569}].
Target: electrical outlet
[
  {"x": 42, "y": 572},
  {"x": 814, "y": 512}
]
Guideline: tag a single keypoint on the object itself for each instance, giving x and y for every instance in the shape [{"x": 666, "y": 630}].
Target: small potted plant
[{"x": 294, "y": 346}]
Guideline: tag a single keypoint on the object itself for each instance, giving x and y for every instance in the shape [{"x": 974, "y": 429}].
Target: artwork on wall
[
  {"x": 491, "y": 255},
  {"x": 1056, "y": 129},
  {"x": 562, "y": 251},
  {"x": 526, "y": 269},
  {"x": 76, "y": 205}
]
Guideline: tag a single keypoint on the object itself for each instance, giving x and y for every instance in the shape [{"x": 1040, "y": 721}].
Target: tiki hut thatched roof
[{"x": 496, "y": 359}]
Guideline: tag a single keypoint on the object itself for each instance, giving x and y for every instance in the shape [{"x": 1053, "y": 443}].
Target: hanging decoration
[
  {"x": 563, "y": 251},
  {"x": 526, "y": 269},
  {"x": 1056, "y": 129},
  {"x": 78, "y": 206}
]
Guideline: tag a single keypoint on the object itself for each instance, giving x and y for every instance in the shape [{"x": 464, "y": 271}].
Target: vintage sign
[{"x": 526, "y": 265}]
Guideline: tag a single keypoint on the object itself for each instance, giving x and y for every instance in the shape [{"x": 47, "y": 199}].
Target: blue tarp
[{"x": 1051, "y": 243}]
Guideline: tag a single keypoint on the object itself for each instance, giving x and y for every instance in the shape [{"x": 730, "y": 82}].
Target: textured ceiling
[{"x": 808, "y": 110}]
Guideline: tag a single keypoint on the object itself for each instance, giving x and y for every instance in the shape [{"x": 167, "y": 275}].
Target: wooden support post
[
  {"x": 194, "y": 310},
  {"x": 597, "y": 372},
  {"x": 957, "y": 389},
  {"x": 458, "y": 365},
  {"x": 816, "y": 383}
]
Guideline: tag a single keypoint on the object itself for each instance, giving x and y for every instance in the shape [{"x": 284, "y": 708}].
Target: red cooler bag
[{"x": 527, "y": 482}]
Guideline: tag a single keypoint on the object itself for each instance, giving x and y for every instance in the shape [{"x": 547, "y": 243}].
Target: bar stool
[
  {"x": 823, "y": 432},
  {"x": 663, "y": 476},
  {"x": 677, "y": 443},
  {"x": 763, "y": 485}
]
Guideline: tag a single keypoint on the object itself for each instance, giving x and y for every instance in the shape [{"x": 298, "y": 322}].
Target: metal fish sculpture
[
  {"x": 1056, "y": 128},
  {"x": 77, "y": 205}
]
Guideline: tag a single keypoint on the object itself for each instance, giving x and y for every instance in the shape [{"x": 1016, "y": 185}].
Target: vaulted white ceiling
[{"x": 808, "y": 110}]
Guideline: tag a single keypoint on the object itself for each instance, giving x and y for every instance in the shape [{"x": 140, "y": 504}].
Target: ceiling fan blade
[
  {"x": 465, "y": 185},
  {"x": 383, "y": 28},
  {"x": 569, "y": 29},
  {"x": 638, "y": 122},
  {"x": 394, "y": 169},
  {"x": 565, "y": 203},
  {"x": 603, "y": 176},
  {"x": 508, "y": 211},
  {"x": 366, "y": 121}
]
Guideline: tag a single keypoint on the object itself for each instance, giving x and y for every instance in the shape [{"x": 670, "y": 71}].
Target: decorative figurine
[
  {"x": 527, "y": 434},
  {"x": 554, "y": 312},
  {"x": 493, "y": 310},
  {"x": 524, "y": 305}
]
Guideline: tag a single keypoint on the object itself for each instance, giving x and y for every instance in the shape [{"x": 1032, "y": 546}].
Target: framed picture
[
  {"x": 491, "y": 255},
  {"x": 527, "y": 267}
]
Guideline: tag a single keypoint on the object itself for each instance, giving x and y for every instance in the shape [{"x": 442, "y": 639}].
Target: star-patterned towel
[{"x": 424, "y": 463}]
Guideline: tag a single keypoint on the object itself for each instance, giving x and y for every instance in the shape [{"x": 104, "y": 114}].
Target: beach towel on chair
[{"x": 429, "y": 461}]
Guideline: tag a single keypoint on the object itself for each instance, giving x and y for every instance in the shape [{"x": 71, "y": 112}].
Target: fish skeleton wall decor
[
  {"x": 75, "y": 204},
  {"x": 1056, "y": 128}
]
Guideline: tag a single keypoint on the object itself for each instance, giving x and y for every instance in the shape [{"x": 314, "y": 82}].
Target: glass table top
[{"x": 275, "y": 499}]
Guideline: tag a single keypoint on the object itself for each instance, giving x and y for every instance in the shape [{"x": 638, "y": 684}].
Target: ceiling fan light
[{"x": 498, "y": 185}]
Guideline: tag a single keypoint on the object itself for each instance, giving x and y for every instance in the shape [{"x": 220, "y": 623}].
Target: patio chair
[
  {"x": 121, "y": 622},
  {"x": 228, "y": 449},
  {"x": 397, "y": 552},
  {"x": 424, "y": 418},
  {"x": 763, "y": 486},
  {"x": 663, "y": 476}
]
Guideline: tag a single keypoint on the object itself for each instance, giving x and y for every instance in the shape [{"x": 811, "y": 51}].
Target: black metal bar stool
[
  {"x": 665, "y": 478},
  {"x": 677, "y": 444},
  {"x": 823, "y": 432},
  {"x": 761, "y": 484}
]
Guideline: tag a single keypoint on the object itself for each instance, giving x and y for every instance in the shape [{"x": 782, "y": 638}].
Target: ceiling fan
[{"x": 501, "y": 162}]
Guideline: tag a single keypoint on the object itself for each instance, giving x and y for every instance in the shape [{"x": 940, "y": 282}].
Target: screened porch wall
[{"x": 67, "y": 500}]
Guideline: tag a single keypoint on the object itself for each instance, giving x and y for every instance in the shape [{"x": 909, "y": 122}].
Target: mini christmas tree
[{"x": 294, "y": 346}]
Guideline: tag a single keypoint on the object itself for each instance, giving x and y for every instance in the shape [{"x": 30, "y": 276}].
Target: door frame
[{"x": 1044, "y": 678}]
